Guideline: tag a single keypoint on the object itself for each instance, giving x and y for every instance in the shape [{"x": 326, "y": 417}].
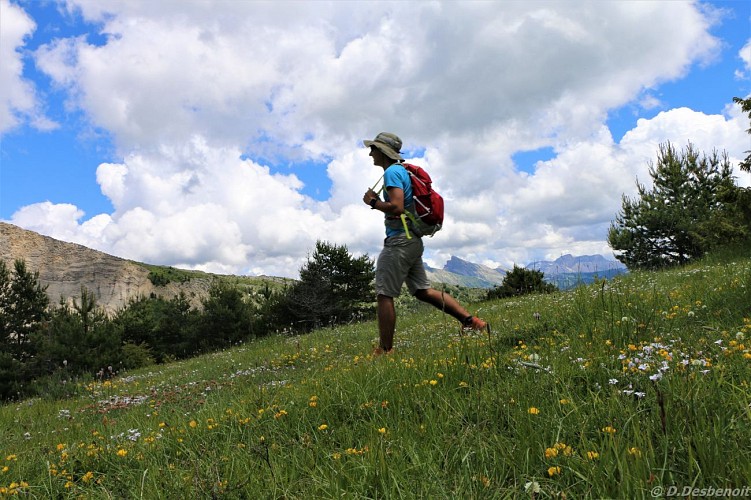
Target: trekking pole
[{"x": 374, "y": 185}]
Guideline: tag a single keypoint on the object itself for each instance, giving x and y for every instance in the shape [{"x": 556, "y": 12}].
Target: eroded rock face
[{"x": 66, "y": 267}]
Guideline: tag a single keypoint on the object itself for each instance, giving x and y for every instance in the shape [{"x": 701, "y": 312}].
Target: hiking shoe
[
  {"x": 477, "y": 324},
  {"x": 378, "y": 351}
]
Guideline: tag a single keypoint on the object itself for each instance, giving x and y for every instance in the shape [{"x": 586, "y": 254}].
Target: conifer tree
[
  {"x": 521, "y": 281},
  {"x": 334, "y": 287},
  {"x": 693, "y": 206},
  {"x": 23, "y": 309}
]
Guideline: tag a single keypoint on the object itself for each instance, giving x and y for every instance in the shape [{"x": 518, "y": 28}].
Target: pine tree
[
  {"x": 692, "y": 207},
  {"x": 334, "y": 288},
  {"x": 23, "y": 309},
  {"x": 521, "y": 281}
]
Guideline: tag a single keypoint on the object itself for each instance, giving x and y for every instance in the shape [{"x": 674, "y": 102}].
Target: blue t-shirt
[{"x": 398, "y": 177}]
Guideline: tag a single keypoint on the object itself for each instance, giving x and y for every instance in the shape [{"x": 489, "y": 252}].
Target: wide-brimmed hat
[{"x": 388, "y": 143}]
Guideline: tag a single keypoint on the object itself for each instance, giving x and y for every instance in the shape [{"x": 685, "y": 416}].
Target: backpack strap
[{"x": 405, "y": 214}]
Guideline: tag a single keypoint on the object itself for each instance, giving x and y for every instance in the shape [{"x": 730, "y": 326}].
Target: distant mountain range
[{"x": 565, "y": 272}]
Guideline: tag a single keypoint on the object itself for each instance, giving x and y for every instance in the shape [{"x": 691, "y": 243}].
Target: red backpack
[{"x": 428, "y": 211}]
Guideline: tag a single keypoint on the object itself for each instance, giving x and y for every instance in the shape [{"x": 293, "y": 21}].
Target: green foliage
[
  {"x": 521, "y": 281},
  {"x": 23, "y": 309},
  {"x": 692, "y": 207},
  {"x": 23, "y": 314},
  {"x": 168, "y": 329},
  {"x": 162, "y": 276},
  {"x": 136, "y": 356},
  {"x": 334, "y": 288},
  {"x": 227, "y": 318},
  {"x": 79, "y": 339},
  {"x": 12, "y": 378},
  {"x": 41, "y": 347},
  {"x": 746, "y": 107}
]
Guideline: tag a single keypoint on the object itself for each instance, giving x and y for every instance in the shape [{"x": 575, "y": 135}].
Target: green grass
[
  {"x": 606, "y": 391},
  {"x": 163, "y": 275}
]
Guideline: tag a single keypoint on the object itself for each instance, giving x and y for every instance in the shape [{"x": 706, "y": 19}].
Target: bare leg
[
  {"x": 386, "y": 322},
  {"x": 443, "y": 301}
]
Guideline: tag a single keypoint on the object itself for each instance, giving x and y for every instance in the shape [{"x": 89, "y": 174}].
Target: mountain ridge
[
  {"x": 64, "y": 268},
  {"x": 565, "y": 272}
]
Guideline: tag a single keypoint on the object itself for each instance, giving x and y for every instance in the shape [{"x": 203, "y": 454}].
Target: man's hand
[{"x": 368, "y": 196}]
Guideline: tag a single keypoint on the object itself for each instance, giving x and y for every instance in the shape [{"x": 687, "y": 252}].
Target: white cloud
[
  {"x": 745, "y": 55},
  {"x": 201, "y": 98},
  {"x": 18, "y": 100}
]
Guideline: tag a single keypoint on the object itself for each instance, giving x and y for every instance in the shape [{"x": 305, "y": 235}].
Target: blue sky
[{"x": 227, "y": 136}]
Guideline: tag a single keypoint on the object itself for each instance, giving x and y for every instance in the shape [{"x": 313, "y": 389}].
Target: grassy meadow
[{"x": 622, "y": 389}]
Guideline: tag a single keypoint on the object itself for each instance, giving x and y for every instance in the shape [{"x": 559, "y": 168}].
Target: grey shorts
[{"x": 400, "y": 261}]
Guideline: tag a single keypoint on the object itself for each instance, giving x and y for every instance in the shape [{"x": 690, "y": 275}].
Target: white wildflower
[{"x": 532, "y": 487}]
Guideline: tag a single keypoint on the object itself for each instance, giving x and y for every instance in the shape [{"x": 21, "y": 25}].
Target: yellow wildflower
[
  {"x": 551, "y": 453},
  {"x": 608, "y": 430},
  {"x": 552, "y": 471},
  {"x": 533, "y": 411},
  {"x": 122, "y": 453},
  {"x": 323, "y": 427},
  {"x": 593, "y": 455}
]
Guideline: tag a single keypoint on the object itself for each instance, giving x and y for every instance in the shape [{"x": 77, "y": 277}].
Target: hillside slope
[{"x": 66, "y": 267}]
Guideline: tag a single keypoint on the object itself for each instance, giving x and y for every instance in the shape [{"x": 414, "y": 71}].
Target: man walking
[{"x": 400, "y": 260}]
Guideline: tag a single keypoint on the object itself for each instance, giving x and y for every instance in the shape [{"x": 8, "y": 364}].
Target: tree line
[{"x": 43, "y": 346}]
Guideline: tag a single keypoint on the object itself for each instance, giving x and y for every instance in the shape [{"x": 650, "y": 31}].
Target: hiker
[{"x": 401, "y": 257}]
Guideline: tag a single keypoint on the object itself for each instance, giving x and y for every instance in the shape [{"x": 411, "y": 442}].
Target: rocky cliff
[{"x": 66, "y": 267}]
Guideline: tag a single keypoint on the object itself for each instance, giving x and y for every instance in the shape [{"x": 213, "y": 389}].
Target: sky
[{"x": 226, "y": 136}]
